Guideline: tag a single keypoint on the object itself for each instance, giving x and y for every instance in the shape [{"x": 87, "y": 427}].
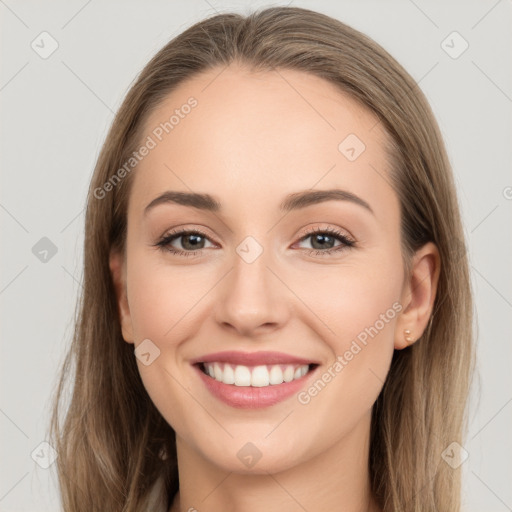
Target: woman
[{"x": 276, "y": 309}]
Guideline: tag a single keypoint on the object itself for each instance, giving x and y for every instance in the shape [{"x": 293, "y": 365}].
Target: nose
[{"x": 252, "y": 299}]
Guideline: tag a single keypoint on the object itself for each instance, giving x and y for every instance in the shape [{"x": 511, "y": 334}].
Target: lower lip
[{"x": 248, "y": 397}]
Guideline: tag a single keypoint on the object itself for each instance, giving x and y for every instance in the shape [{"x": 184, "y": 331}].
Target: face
[{"x": 279, "y": 285}]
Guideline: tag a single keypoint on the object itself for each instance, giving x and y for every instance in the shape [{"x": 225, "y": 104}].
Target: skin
[{"x": 253, "y": 139}]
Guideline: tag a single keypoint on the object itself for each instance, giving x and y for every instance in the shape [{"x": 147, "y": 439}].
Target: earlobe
[
  {"x": 418, "y": 296},
  {"x": 117, "y": 270},
  {"x": 404, "y": 338}
]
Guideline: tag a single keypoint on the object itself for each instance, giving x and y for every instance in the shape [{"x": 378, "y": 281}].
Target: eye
[
  {"x": 323, "y": 240},
  {"x": 192, "y": 241}
]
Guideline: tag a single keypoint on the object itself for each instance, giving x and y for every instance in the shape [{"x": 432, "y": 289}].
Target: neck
[{"x": 334, "y": 479}]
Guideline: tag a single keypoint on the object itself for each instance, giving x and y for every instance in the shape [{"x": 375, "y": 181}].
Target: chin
[
  {"x": 276, "y": 463},
  {"x": 258, "y": 457}
]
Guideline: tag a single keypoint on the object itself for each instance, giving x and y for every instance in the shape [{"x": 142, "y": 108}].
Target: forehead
[{"x": 256, "y": 136}]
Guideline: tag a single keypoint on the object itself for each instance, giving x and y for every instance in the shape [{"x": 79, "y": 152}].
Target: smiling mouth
[{"x": 255, "y": 376}]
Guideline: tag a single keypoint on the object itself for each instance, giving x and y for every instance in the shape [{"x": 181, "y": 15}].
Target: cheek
[
  {"x": 162, "y": 299},
  {"x": 358, "y": 307},
  {"x": 349, "y": 298}
]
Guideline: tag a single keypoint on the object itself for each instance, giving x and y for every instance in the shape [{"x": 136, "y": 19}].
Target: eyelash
[{"x": 347, "y": 243}]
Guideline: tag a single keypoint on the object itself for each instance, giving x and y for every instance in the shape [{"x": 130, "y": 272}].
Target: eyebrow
[{"x": 291, "y": 202}]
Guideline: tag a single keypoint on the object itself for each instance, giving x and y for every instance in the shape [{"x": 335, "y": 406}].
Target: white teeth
[
  {"x": 288, "y": 374},
  {"x": 242, "y": 376},
  {"x": 217, "y": 371},
  {"x": 229, "y": 375},
  {"x": 259, "y": 377},
  {"x": 276, "y": 375},
  {"x": 255, "y": 376}
]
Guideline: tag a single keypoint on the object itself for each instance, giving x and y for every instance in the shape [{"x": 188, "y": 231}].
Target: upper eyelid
[
  {"x": 202, "y": 232},
  {"x": 332, "y": 230}
]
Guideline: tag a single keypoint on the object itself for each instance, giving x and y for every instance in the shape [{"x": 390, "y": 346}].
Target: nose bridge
[{"x": 251, "y": 295}]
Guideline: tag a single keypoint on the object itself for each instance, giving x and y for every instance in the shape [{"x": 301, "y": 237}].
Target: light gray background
[{"x": 55, "y": 115}]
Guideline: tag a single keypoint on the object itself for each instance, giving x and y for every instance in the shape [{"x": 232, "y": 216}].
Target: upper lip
[{"x": 251, "y": 358}]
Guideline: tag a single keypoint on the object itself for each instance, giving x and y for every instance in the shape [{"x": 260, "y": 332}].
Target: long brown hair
[{"x": 111, "y": 440}]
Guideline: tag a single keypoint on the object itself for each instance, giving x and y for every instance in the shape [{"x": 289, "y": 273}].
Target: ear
[
  {"x": 118, "y": 271},
  {"x": 418, "y": 295}
]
